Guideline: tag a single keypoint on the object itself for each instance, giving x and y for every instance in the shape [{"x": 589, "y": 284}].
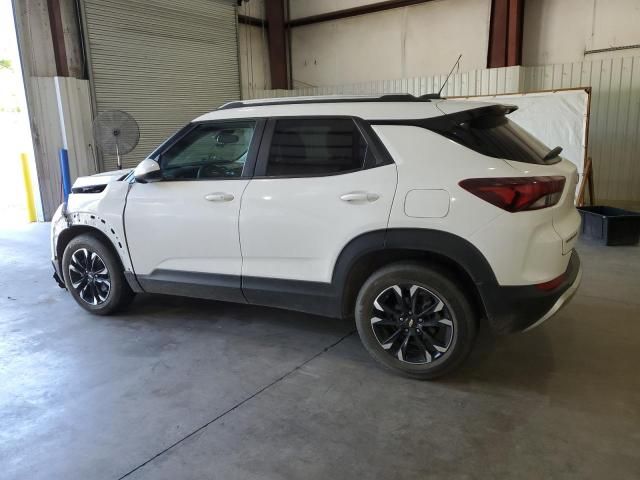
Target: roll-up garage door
[{"x": 163, "y": 61}]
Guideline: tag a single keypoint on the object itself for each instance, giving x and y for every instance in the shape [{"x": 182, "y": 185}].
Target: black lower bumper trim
[{"x": 513, "y": 309}]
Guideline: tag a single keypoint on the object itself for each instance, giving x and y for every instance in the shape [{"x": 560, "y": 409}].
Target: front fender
[{"x": 84, "y": 212}]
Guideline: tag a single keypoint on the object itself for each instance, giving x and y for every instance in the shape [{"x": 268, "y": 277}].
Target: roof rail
[{"x": 393, "y": 97}]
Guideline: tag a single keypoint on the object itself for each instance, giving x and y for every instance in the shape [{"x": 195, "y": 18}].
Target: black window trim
[
  {"x": 442, "y": 123},
  {"x": 249, "y": 165},
  {"x": 380, "y": 153}
]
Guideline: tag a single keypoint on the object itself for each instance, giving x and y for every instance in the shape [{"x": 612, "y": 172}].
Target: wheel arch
[
  {"x": 447, "y": 252},
  {"x": 74, "y": 231}
]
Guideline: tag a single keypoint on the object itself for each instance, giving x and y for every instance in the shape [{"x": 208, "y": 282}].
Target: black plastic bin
[{"x": 611, "y": 226}]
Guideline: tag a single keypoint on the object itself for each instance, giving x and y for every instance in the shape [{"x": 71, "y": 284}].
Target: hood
[{"x": 92, "y": 183}]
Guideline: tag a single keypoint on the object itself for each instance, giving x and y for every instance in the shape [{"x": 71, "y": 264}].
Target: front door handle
[
  {"x": 359, "y": 197},
  {"x": 219, "y": 197}
]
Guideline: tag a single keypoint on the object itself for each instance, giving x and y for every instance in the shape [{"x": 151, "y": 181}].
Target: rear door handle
[
  {"x": 359, "y": 197},
  {"x": 219, "y": 197}
]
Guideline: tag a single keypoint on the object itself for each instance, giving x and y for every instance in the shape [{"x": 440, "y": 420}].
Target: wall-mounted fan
[{"x": 116, "y": 133}]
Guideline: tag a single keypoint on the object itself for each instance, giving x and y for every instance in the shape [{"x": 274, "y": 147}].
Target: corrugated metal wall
[
  {"x": 475, "y": 82},
  {"x": 614, "y": 128},
  {"x": 614, "y": 125},
  {"x": 164, "y": 62}
]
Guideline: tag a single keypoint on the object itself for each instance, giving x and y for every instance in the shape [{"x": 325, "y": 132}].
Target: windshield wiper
[{"x": 552, "y": 153}]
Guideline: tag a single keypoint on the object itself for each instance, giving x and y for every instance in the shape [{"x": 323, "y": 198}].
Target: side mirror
[{"x": 147, "y": 171}]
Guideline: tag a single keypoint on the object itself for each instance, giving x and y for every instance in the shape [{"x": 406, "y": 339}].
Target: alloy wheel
[
  {"x": 89, "y": 276},
  {"x": 412, "y": 323}
]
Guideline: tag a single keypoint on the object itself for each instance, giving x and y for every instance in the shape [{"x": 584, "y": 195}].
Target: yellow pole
[{"x": 31, "y": 208}]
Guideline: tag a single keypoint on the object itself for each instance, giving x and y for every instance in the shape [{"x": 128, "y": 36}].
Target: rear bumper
[
  {"x": 561, "y": 302},
  {"x": 520, "y": 308}
]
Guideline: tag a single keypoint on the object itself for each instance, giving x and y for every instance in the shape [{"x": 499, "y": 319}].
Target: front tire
[
  {"x": 415, "y": 320},
  {"x": 94, "y": 276}
]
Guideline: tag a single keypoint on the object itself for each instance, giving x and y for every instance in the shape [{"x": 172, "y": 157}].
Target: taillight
[{"x": 516, "y": 194}]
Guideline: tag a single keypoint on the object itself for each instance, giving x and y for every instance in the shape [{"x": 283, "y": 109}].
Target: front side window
[
  {"x": 322, "y": 146},
  {"x": 209, "y": 151}
]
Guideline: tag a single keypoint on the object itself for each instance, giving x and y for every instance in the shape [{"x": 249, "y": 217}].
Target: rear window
[{"x": 499, "y": 137}]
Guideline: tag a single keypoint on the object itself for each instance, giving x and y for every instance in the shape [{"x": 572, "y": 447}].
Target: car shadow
[
  {"x": 520, "y": 361},
  {"x": 515, "y": 362},
  {"x": 156, "y": 308}
]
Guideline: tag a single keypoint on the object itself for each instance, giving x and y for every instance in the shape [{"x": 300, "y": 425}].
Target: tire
[
  {"x": 415, "y": 320},
  {"x": 101, "y": 288}
]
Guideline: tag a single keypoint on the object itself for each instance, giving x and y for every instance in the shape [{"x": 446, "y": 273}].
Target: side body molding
[{"x": 329, "y": 299}]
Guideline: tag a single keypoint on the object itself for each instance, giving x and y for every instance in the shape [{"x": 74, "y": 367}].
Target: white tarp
[{"x": 555, "y": 117}]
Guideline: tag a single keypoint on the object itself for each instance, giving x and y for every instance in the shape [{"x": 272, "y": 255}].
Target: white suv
[{"x": 420, "y": 217}]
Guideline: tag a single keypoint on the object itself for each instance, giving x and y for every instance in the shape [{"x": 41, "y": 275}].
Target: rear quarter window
[{"x": 495, "y": 136}]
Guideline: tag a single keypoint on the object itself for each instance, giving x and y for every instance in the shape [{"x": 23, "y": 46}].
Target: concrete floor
[{"x": 179, "y": 388}]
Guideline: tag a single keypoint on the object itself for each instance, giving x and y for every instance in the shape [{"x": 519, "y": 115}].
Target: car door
[
  {"x": 182, "y": 231},
  {"x": 319, "y": 183}
]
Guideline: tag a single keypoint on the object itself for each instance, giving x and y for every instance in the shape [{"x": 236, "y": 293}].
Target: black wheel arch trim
[
  {"x": 454, "y": 248},
  {"x": 80, "y": 223}
]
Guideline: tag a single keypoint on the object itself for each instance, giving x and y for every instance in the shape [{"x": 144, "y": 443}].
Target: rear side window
[
  {"x": 497, "y": 136},
  {"x": 319, "y": 146}
]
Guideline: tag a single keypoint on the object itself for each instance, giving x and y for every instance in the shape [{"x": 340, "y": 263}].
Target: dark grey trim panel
[
  {"x": 310, "y": 297},
  {"x": 131, "y": 279},
  {"x": 193, "y": 284}
]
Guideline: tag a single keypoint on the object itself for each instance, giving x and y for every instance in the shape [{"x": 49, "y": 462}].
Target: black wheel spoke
[
  {"x": 427, "y": 354},
  {"x": 433, "y": 343},
  {"x": 381, "y": 306},
  {"x": 434, "y": 307},
  {"x": 402, "y": 351},
  {"x": 388, "y": 343},
  {"x": 437, "y": 322},
  {"x": 412, "y": 323},
  {"x": 414, "y": 292},
  {"x": 383, "y": 322},
  {"x": 397, "y": 291}
]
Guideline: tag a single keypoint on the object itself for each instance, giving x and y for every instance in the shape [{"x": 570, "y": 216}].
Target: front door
[{"x": 182, "y": 232}]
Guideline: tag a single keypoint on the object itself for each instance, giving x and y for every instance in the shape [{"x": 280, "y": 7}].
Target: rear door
[{"x": 319, "y": 183}]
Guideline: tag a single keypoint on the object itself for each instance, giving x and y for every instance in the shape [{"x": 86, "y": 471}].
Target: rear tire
[
  {"x": 415, "y": 320},
  {"x": 94, "y": 276}
]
